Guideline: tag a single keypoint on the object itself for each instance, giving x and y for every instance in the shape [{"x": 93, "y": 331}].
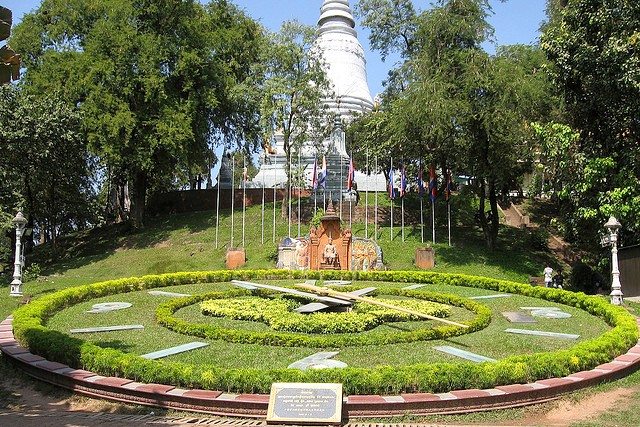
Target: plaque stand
[{"x": 305, "y": 404}]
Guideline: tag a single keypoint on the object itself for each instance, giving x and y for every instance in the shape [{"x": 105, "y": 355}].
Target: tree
[
  {"x": 464, "y": 109},
  {"x": 594, "y": 47},
  {"x": 293, "y": 92},
  {"x": 156, "y": 80},
  {"x": 44, "y": 164}
]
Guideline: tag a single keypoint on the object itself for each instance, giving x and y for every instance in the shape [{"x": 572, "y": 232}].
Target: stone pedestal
[
  {"x": 341, "y": 239},
  {"x": 425, "y": 258},
  {"x": 236, "y": 258}
]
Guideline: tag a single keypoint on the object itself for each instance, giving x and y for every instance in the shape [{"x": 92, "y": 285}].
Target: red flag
[
  {"x": 350, "y": 175},
  {"x": 433, "y": 184}
]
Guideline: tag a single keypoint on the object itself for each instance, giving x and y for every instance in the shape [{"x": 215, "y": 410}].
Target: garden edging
[{"x": 255, "y": 405}]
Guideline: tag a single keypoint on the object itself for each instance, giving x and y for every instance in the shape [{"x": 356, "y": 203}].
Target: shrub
[{"x": 29, "y": 329}]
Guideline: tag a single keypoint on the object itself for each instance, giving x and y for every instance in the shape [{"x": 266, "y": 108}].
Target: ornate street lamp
[
  {"x": 616, "y": 288},
  {"x": 16, "y": 285}
]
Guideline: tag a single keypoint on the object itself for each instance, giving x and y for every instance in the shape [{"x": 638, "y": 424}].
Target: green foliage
[
  {"x": 317, "y": 218},
  {"x": 44, "y": 164},
  {"x": 165, "y": 316},
  {"x": 456, "y": 106},
  {"x": 436, "y": 377},
  {"x": 593, "y": 45},
  {"x": 278, "y": 314},
  {"x": 156, "y": 80}
]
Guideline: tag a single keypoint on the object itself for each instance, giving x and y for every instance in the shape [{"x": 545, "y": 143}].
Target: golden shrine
[{"x": 330, "y": 246}]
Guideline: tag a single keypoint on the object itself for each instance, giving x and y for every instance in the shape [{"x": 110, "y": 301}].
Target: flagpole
[
  {"x": 403, "y": 220},
  {"x": 375, "y": 217},
  {"x": 244, "y": 196},
  {"x": 275, "y": 178},
  {"x": 433, "y": 220},
  {"x": 300, "y": 181},
  {"x": 351, "y": 177},
  {"x": 233, "y": 184},
  {"x": 314, "y": 185},
  {"x": 449, "y": 220},
  {"x": 391, "y": 190},
  {"x": 289, "y": 197},
  {"x": 422, "y": 217},
  {"x": 402, "y": 194},
  {"x": 265, "y": 159},
  {"x": 218, "y": 202},
  {"x": 340, "y": 193},
  {"x": 366, "y": 200}
]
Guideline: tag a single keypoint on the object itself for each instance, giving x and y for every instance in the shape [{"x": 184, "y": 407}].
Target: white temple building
[{"x": 343, "y": 54}]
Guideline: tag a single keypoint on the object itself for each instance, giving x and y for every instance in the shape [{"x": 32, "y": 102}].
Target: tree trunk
[
  {"x": 138, "y": 201},
  {"x": 494, "y": 224}
]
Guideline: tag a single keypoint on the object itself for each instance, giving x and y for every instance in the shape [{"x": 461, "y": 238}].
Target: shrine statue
[
  {"x": 302, "y": 254},
  {"x": 330, "y": 253}
]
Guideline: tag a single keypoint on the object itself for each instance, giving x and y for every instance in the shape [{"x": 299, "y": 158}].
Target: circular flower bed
[
  {"x": 29, "y": 328},
  {"x": 165, "y": 315},
  {"x": 279, "y": 315}
]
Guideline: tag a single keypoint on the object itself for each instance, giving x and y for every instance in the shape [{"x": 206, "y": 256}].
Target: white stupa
[{"x": 343, "y": 54}]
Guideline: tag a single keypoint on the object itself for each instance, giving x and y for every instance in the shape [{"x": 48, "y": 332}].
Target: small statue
[
  {"x": 302, "y": 258},
  {"x": 330, "y": 253}
]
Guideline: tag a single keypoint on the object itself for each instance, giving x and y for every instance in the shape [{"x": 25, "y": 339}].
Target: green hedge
[
  {"x": 279, "y": 314},
  {"x": 29, "y": 329},
  {"x": 165, "y": 317}
]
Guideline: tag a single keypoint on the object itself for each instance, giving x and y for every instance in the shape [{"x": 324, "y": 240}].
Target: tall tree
[
  {"x": 44, "y": 164},
  {"x": 594, "y": 47},
  {"x": 155, "y": 80},
  {"x": 293, "y": 91},
  {"x": 464, "y": 109}
]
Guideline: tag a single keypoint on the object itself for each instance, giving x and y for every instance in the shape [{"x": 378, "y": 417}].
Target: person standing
[{"x": 548, "y": 274}]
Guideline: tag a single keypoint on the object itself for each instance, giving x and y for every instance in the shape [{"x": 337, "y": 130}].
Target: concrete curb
[{"x": 255, "y": 405}]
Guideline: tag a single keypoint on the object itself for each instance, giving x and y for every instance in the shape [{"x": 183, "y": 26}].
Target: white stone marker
[
  {"x": 167, "y": 294},
  {"x": 106, "y": 307},
  {"x": 106, "y": 329},
  {"x": 464, "y": 354},
  {"x": 491, "y": 296},
  {"x": 543, "y": 334},
  {"x": 174, "y": 350}
]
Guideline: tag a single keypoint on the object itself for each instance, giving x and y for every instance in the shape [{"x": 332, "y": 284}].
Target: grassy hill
[{"x": 187, "y": 242}]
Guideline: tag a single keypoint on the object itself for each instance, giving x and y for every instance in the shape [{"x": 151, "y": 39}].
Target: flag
[
  {"x": 403, "y": 182},
  {"x": 421, "y": 181},
  {"x": 314, "y": 176},
  {"x": 351, "y": 175},
  {"x": 447, "y": 191},
  {"x": 322, "y": 176},
  {"x": 391, "y": 192},
  {"x": 433, "y": 184}
]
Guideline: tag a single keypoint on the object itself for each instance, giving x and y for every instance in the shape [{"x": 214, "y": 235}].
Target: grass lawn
[
  {"x": 233, "y": 355},
  {"x": 187, "y": 242}
]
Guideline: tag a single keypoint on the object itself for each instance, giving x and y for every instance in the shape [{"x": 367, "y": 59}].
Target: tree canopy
[
  {"x": 454, "y": 105},
  {"x": 155, "y": 80},
  {"x": 593, "y": 45}
]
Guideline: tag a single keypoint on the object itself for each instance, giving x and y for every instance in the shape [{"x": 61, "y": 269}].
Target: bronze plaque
[{"x": 300, "y": 403}]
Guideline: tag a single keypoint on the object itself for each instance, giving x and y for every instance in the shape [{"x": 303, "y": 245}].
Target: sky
[{"x": 515, "y": 21}]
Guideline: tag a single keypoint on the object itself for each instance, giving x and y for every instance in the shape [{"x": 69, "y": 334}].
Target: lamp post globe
[
  {"x": 16, "y": 285},
  {"x": 612, "y": 227}
]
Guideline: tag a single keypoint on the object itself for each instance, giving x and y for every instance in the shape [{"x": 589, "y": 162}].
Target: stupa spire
[{"x": 344, "y": 56}]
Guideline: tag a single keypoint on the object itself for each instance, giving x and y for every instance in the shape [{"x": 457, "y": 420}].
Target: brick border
[{"x": 255, "y": 405}]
